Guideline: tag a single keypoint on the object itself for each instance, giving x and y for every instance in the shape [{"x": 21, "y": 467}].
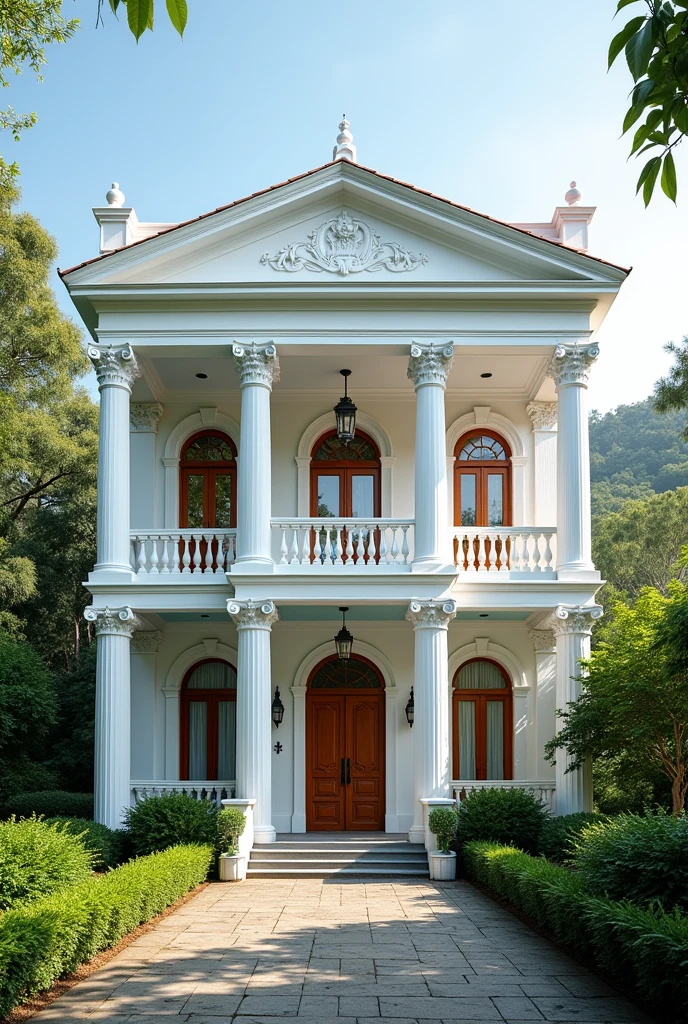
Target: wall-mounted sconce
[
  {"x": 410, "y": 709},
  {"x": 277, "y": 709}
]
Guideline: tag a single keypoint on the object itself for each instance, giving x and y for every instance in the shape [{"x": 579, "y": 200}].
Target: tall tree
[{"x": 671, "y": 392}]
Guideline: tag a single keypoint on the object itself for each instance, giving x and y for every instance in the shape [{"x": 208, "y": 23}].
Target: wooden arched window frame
[
  {"x": 483, "y": 715},
  {"x": 482, "y": 479},
  {"x": 207, "y": 481},
  {"x": 209, "y": 701},
  {"x": 345, "y": 479}
]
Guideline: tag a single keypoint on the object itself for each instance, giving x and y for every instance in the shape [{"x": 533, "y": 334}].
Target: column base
[
  {"x": 578, "y": 573},
  {"x": 416, "y": 834},
  {"x": 264, "y": 834},
  {"x": 252, "y": 566}
]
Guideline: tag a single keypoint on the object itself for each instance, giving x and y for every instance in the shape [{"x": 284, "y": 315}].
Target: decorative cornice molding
[
  {"x": 575, "y": 618},
  {"x": 430, "y": 363},
  {"x": 572, "y": 361},
  {"x": 112, "y": 621},
  {"x": 144, "y": 417},
  {"x": 249, "y": 615},
  {"x": 114, "y": 365},
  {"x": 431, "y": 614},
  {"x": 256, "y": 363},
  {"x": 146, "y": 641},
  {"x": 343, "y": 245},
  {"x": 543, "y": 640},
  {"x": 543, "y": 414}
]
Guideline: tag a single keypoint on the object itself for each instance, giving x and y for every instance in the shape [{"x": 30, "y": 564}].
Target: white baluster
[
  {"x": 383, "y": 546},
  {"x": 350, "y": 547},
  {"x": 306, "y": 546},
  {"x": 165, "y": 560},
  {"x": 294, "y": 549},
  {"x": 548, "y": 550},
  {"x": 209, "y": 538},
  {"x": 283, "y": 546},
  {"x": 132, "y": 552},
  {"x": 514, "y": 557},
  {"x": 395, "y": 546},
  {"x": 371, "y": 545},
  {"x": 186, "y": 557},
  {"x": 154, "y": 555},
  {"x": 405, "y": 545},
  {"x": 536, "y": 553},
  {"x": 142, "y": 555},
  {"x": 525, "y": 552},
  {"x": 338, "y": 550},
  {"x": 317, "y": 546},
  {"x": 175, "y": 552},
  {"x": 360, "y": 548}
]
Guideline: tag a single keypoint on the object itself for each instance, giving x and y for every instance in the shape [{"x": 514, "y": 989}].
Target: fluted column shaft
[
  {"x": 431, "y": 762},
  {"x": 258, "y": 367},
  {"x": 116, "y": 369},
  {"x": 570, "y": 368},
  {"x": 572, "y": 628},
  {"x": 111, "y": 788},
  {"x": 429, "y": 368},
  {"x": 254, "y": 716}
]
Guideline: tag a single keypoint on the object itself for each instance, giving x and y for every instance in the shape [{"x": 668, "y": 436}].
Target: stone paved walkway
[{"x": 359, "y": 952}]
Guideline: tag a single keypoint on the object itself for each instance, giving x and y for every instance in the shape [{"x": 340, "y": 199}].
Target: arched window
[
  {"x": 208, "y": 481},
  {"x": 208, "y": 722},
  {"x": 351, "y": 673},
  {"x": 482, "y": 721},
  {"x": 482, "y": 480},
  {"x": 345, "y": 479}
]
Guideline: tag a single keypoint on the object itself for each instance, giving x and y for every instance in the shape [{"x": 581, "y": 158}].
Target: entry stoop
[{"x": 339, "y": 855}]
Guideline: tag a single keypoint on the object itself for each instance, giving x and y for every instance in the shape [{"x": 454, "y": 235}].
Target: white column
[
  {"x": 569, "y": 368},
  {"x": 116, "y": 369},
  {"x": 431, "y": 762},
  {"x": 544, "y": 419},
  {"x": 572, "y": 627},
  {"x": 143, "y": 427},
  {"x": 254, "y": 716},
  {"x": 258, "y": 368},
  {"x": 114, "y": 628},
  {"x": 428, "y": 368},
  {"x": 545, "y": 696}
]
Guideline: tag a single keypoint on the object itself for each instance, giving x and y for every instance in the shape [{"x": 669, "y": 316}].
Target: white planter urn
[
  {"x": 232, "y": 868},
  {"x": 442, "y": 866}
]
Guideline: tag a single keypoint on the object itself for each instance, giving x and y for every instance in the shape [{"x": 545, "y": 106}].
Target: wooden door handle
[
  {"x": 348, "y": 771},
  {"x": 342, "y": 771}
]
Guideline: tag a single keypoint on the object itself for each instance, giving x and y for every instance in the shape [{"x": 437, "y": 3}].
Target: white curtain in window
[
  {"x": 466, "y": 739},
  {"x": 480, "y": 675},
  {"x": 495, "y": 739},
  {"x": 198, "y": 752},
  {"x": 226, "y": 740},
  {"x": 213, "y": 675}
]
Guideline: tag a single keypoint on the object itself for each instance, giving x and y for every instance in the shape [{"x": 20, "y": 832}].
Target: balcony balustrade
[
  {"x": 200, "y": 789},
  {"x": 180, "y": 552},
  {"x": 355, "y": 544},
  {"x": 505, "y": 549},
  {"x": 541, "y": 789}
]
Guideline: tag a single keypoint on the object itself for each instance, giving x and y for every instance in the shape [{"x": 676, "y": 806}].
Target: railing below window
[
  {"x": 542, "y": 790},
  {"x": 214, "y": 792},
  {"x": 504, "y": 548},
  {"x": 182, "y": 551},
  {"x": 353, "y": 543}
]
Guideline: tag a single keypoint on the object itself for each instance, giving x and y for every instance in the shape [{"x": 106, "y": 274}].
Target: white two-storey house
[{"x": 237, "y": 516}]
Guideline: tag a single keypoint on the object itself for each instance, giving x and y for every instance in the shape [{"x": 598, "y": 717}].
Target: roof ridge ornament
[
  {"x": 114, "y": 195},
  {"x": 344, "y": 148}
]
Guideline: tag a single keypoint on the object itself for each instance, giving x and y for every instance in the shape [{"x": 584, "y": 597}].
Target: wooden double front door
[{"x": 345, "y": 761}]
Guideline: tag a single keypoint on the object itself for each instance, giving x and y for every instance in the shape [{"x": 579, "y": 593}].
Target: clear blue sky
[{"x": 495, "y": 105}]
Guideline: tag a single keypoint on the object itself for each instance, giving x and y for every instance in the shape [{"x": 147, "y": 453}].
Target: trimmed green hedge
[
  {"x": 38, "y": 859},
  {"x": 109, "y": 848},
  {"x": 43, "y": 940},
  {"x": 646, "y": 951},
  {"x": 52, "y": 803}
]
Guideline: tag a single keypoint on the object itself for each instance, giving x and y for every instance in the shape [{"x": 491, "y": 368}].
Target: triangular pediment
[{"x": 342, "y": 225}]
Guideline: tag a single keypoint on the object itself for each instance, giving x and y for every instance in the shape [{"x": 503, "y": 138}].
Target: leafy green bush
[
  {"x": 41, "y": 941},
  {"x": 640, "y": 858},
  {"x": 53, "y": 803},
  {"x": 231, "y": 823},
  {"x": 645, "y": 950},
  {"x": 37, "y": 859},
  {"x": 508, "y": 816},
  {"x": 442, "y": 823},
  {"x": 162, "y": 821},
  {"x": 559, "y": 835},
  {"x": 104, "y": 843}
]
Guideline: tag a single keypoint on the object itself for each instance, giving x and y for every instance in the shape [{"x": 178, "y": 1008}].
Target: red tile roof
[{"x": 308, "y": 174}]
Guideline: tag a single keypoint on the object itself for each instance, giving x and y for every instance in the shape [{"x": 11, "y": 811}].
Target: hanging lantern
[
  {"x": 345, "y": 411},
  {"x": 410, "y": 709},
  {"x": 277, "y": 709},
  {"x": 343, "y": 639}
]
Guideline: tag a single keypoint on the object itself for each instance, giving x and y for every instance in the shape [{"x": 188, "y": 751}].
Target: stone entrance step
[{"x": 321, "y": 855}]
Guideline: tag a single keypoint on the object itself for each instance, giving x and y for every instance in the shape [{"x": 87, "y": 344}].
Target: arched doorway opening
[
  {"x": 207, "y": 477},
  {"x": 208, "y": 722},
  {"x": 345, "y": 746},
  {"x": 482, "y": 721},
  {"x": 482, "y": 480}
]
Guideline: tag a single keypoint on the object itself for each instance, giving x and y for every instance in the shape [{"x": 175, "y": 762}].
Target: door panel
[{"x": 325, "y": 741}]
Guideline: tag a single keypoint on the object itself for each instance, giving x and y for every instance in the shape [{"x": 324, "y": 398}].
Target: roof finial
[
  {"x": 573, "y": 195},
  {"x": 114, "y": 196},
  {"x": 345, "y": 149}
]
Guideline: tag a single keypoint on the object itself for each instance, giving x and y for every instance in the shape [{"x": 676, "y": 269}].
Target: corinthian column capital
[
  {"x": 431, "y": 614},
  {"x": 575, "y": 618},
  {"x": 144, "y": 417},
  {"x": 572, "y": 361},
  {"x": 430, "y": 363},
  {"x": 112, "y": 621},
  {"x": 256, "y": 363},
  {"x": 114, "y": 365},
  {"x": 543, "y": 414},
  {"x": 250, "y": 615}
]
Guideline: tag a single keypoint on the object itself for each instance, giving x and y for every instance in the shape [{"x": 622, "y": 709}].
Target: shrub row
[
  {"x": 53, "y": 803},
  {"x": 108, "y": 847},
  {"x": 645, "y": 950},
  {"x": 37, "y": 859},
  {"x": 43, "y": 940}
]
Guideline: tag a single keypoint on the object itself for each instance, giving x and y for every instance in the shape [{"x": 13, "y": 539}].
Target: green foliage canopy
[{"x": 671, "y": 392}]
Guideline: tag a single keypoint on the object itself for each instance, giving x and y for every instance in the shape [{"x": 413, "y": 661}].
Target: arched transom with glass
[
  {"x": 345, "y": 478},
  {"x": 208, "y": 722},
  {"x": 482, "y": 480},
  {"x": 482, "y": 721},
  {"x": 208, "y": 472}
]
